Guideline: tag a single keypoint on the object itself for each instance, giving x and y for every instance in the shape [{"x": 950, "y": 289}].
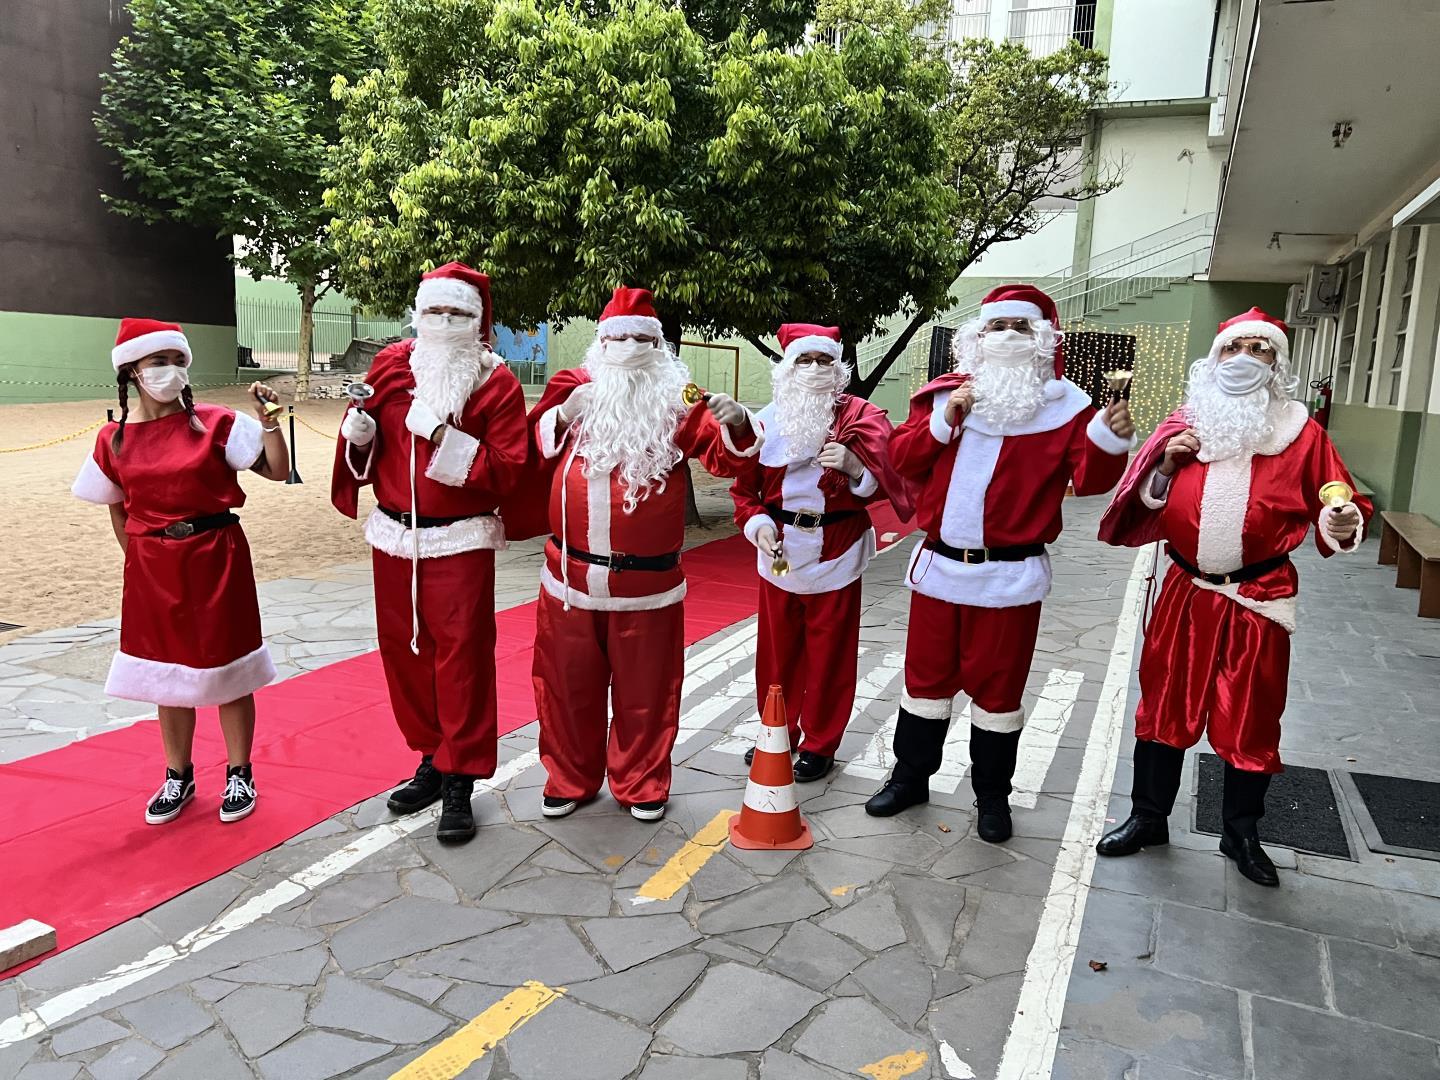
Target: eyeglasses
[
  {"x": 439, "y": 319},
  {"x": 1258, "y": 349},
  {"x": 823, "y": 359},
  {"x": 1021, "y": 326}
]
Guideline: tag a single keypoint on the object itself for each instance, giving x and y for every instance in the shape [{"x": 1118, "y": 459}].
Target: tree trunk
[
  {"x": 673, "y": 331},
  {"x": 866, "y": 386},
  {"x": 307, "y": 340}
]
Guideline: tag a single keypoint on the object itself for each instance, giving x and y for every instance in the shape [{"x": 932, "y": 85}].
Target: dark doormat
[
  {"x": 1397, "y": 815},
  {"x": 1301, "y": 809}
]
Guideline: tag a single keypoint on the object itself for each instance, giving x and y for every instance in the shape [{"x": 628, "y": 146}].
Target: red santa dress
[
  {"x": 1217, "y": 656},
  {"x": 602, "y": 631},
  {"x": 189, "y": 620},
  {"x": 809, "y": 625},
  {"x": 437, "y": 642},
  {"x": 973, "y": 624}
]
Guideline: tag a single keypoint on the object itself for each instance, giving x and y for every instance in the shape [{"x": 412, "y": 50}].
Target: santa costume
[
  {"x": 809, "y": 625},
  {"x": 434, "y": 531},
  {"x": 190, "y": 619},
  {"x": 613, "y": 441},
  {"x": 1217, "y": 649},
  {"x": 990, "y": 490}
]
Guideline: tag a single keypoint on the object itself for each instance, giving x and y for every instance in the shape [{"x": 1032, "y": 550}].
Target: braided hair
[{"x": 123, "y": 378}]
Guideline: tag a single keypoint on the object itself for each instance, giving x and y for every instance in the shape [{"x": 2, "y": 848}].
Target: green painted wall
[
  {"x": 67, "y": 357},
  {"x": 1220, "y": 300},
  {"x": 1425, "y": 484},
  {"x": 1380, "y": 446}
]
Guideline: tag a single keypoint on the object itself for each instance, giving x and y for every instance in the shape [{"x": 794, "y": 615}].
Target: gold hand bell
[
  {"x": 692, "y": 395},
  {"x": 271, "y": 407},
  {"x": 1118, "y": 380},
  {"x": 1336, "y": 494},
  {"x": 779, "y": 565}
]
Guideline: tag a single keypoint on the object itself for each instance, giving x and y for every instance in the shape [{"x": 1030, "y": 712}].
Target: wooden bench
[{"x": 1411, "y": 542}]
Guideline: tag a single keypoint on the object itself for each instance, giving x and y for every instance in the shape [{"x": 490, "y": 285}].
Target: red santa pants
[
  {"x": 983, "y": 651},
  {"x": 637, "y": 660},
  {"x": 809, "y": 644},
  {"x": 1210, "y": 664},
  {"x": 444, "y": 699}
]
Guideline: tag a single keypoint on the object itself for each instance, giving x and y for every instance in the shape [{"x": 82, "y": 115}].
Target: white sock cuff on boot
[
  {"x": 1004, "y": 722},
  {"x": 927, "y": 708}
]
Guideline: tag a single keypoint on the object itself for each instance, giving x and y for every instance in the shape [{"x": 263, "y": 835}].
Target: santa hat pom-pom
[{"x": 1054, "y": 391}]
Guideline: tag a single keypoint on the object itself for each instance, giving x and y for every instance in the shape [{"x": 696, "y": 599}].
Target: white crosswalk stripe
[
  {"x": 1044, "y": 726},
  {"x": 876, "y": 759},
  {"x": 956, "y": 760}
]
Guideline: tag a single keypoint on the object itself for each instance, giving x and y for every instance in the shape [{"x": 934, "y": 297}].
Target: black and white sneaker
[
  {"x": 178, "y": 789},
  {"x": 556, "y": 806},
  {"x": 240, "y": 794},
  {"x": 648, "y": 811}
]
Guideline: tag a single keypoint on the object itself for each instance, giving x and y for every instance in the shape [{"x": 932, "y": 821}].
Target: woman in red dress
[{"x": 190, "y": 619}]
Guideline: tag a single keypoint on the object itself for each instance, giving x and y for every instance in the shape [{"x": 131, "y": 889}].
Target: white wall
[
  {"x": 1040, "y": 253},
  {"x": 1159, "y": 48},
  {"x": 1160, "y": 187}
]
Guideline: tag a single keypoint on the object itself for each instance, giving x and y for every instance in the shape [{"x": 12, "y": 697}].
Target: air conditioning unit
[
  {"x": 1294, "y": 316},
  {"x": 1323, "y": 288}
]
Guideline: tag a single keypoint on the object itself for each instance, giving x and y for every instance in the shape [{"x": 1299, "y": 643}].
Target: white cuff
[
  {"x": 92, "y": 485},
  {"x": 243, "y": 447},
  {"x": 758, "y": 522},
  {"x": 1004, "y": 722},
  {"x": 1147, "y": 490},
  {"x": 927, "y": 708},
  {"x": 755, "y": 429},
  {"x": 1099, "y": 433},
  {"x": 866, "y": 485},
  {"x": 548, "y": 431},
  {"x": 939, "y": 426},
  {"x": 1322, "y": 524},
  {"x": 452, "y": 459}
]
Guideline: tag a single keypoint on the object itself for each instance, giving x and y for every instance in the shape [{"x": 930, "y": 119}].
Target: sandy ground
[{"x": 60, "y": 564}]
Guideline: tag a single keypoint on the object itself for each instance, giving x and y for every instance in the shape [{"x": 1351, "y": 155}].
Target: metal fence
[
  {"x": 270, "y": 330},
  {"x": 1045, "y": 28}
]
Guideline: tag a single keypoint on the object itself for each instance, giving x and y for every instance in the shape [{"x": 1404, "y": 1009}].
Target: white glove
[
  {"x": 765, "y": 541},
  {"x": 421, "y": 419},
  {"x": 836, "y": 456},
  {"x": 725, "y": 409},
  {"x": 358, "y": 428},
  {"x": 574, "y": 406}
]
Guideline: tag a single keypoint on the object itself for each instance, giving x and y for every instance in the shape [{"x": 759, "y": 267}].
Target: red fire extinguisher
[{"x": 1321, "y": 405}]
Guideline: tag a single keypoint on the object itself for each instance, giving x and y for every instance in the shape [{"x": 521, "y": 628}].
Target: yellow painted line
[
  {"x": 450, "y": 1058},
  {"x": 686, "y": 862},
  {"x": 896, "y": 1065}
]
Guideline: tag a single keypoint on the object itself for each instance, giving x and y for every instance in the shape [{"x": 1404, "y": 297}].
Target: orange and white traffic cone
[{"x": 770, "y": 818}]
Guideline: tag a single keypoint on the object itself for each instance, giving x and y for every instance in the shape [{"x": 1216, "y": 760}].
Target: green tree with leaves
[{"x": 221, "y": 115}]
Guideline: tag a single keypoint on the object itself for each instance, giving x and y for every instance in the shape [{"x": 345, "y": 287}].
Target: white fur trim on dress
[
  {"x": 181, "y": 687},
  {"x": 987, "y": 585},
  {"x": 1099, "y": 433},
  {"x": 92, "y": 485},
  {"x": 756, "y": 428},
  {"x": 1258, "y": 328},
  {"x": 1281, "y": 611},
  {"x": 1004, "y": 722},
  {"x": 556, "y": 588},
  {"x": 927, "y": 708},
  {"x": 548, "y": 431},
  {"x": 1010, "y": 309},
  {"x": 1147, "y": 490},
  {"x": 940, "y": 428},
  {"x": 245, "y": 443},
  {"x": 617, "y": 325},
  {"x": 866, "y": 486},
  {"x": 449, "y": 292},
  {"x": 147, "y": 344},
  {"x": 1323, "y": 525},
  {"x": 822, "y": 577},
  {"x": 473, "y": 534},
  {"x": 450, "y": 464},
  {"x": 1056, "y": 412},
  {"x": 813, "y": 343},
  {"x": 1220, "y": 548}
]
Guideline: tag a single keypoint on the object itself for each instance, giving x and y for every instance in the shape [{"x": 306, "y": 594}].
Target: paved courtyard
[{"x": 600, "y": 948}]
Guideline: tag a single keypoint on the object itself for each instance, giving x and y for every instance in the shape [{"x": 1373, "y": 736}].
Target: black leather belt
[
  {"x": 181, "y": 530},
  {"x": 1235, "y": 577},
  {"x": 617, "y": 561},
  {"x": 404, "y": 517},
  {"x": 974, "y": 556},
  {"x": 805, "y": 520}
]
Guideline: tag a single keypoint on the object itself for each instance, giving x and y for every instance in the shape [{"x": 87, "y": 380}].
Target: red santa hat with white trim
[
  {"x": 630, "y": 311},
  {"x": 1254, "y": 323},
  {"x": 1025, "y": 302},
  {"x": 796, "y": 339},
  {"x": 459, "y": 286},
  {"x": 139, "y": 338}
]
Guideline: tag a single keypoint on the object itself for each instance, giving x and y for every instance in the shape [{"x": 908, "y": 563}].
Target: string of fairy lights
[{"x": 1161, "y": 362}]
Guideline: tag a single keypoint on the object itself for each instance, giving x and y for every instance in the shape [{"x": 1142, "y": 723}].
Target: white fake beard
[
  {"x": 446, "y": 374},
  {"x": 630, "y": 422},
  {"x": 1006, "y": 395},
  {"x": 804, "y": 417},
  {"x": 1227, "y": 424}
]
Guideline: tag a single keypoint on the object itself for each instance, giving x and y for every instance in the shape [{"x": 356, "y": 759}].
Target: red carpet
[{"x": 76, "y": 853}]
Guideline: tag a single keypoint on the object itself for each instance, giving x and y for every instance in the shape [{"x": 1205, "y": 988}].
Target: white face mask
[
  {"x": 443, "y": 326},
  {"x": 816, "y": 378},
  {"x": 164, "y": 383},
  {"x": 1008, "y": 348},
  {"x": 626, "y": 352},
  {"x": 1242, "y": 375}
]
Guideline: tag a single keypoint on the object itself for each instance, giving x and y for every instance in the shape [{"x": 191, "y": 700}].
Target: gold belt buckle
[
  {"x": 180, "y": 530},
  {"x": 814, "y": 521}
]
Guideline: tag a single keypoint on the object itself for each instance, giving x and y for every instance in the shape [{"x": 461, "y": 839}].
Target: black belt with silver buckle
[
  {"x": 182, "y": 530},
  {"x": 806, "y": 520},
  {"x": 404, "y": 517},
  {"x": 617, "y": 561},
  {"x": 975, "y": 556},
  {"x": 1235, "y": 577}
]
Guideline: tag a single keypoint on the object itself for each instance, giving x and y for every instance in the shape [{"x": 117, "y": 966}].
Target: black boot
[
  {"x": 1242, "y": 806},
  {"x": 457, "y": 820},
  {"x": 811, "y": 767},
  {"x": 992, "y": 758},
  {"x": 419, "y": 793},
  {"x": 1158, "y": 770},
  {"x": 919, "y": 747}
]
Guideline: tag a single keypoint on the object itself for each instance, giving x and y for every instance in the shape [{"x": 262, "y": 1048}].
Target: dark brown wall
[{"x": 61, "y": 251}]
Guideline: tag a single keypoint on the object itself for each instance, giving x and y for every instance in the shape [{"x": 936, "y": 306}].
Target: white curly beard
[
  {"x": 1228, "y": 424},
  {"x": 804, "y": 416},
  {"x": 446, "y": 374},
  {"x": 630, "y": 421},
  {"x": 1007, "y": 395}
]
